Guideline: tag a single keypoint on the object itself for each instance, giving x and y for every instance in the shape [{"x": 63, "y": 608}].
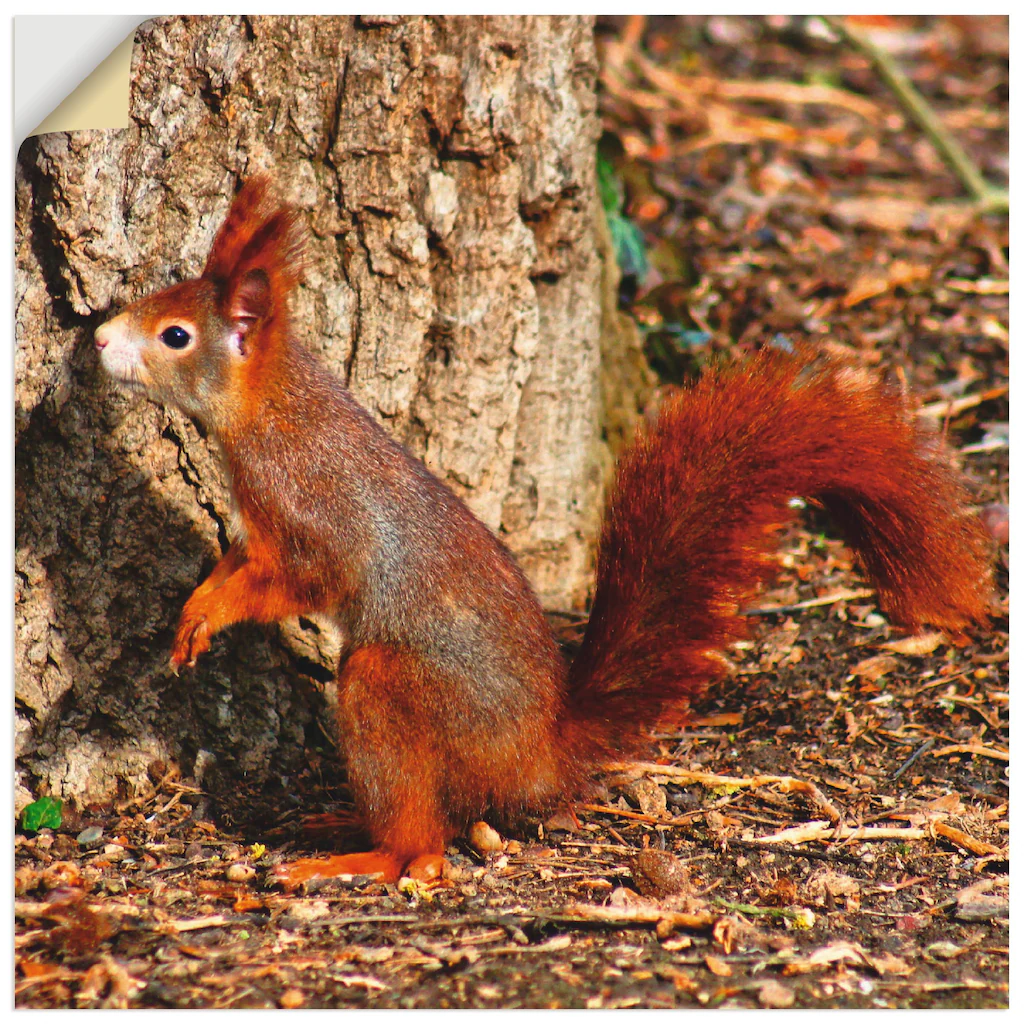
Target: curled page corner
[{"x": 72, "y": 73}]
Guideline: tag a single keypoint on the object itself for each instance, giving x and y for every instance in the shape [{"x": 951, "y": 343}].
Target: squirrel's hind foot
[{"x": 425, "y": 868}]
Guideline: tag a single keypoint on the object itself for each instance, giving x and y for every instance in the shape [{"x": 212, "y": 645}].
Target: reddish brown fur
[
  {"x": 453, "y": 698},
  {"x": 695, "y": 508}
]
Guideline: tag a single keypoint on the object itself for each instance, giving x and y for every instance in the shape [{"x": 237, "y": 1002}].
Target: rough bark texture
[{"x": 446, "y": 166}]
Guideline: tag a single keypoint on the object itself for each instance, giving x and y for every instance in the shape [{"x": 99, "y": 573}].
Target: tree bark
[{"x": 446, "y": 170}]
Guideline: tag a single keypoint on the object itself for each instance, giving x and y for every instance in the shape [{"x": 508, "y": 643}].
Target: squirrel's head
[{"x": 198, "y": 344}]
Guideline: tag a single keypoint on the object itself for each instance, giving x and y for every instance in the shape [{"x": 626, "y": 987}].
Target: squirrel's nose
[{"x": 113, "y": 330}]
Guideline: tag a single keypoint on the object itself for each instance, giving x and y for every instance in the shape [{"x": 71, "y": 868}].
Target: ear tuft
[
  {"x": 257, "y": 260},
  {"x": 251, "y": 208},
  {"x": 260, "y": 232}
]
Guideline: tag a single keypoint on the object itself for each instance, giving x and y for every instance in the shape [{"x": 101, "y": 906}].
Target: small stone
[
  {"x": 90, "y": 836},
  {"x": 195, "y": 851},
  {"x": 113, "y": 852},
  {"x": 775, "y": 995},
  {"x": 974, "y": 906},
  {"x": 291, "y": 1000},
  {"x": 484, "y": 839},
  {"x": 240, "y": 872}
]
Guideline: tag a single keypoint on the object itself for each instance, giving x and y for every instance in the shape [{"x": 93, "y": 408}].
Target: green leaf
[
  {"x": 630, "y": 251},
  {"x": 627, "y": 239},
  {"x": 609, "y": 186},
  {"x": 43, "y": 813}
]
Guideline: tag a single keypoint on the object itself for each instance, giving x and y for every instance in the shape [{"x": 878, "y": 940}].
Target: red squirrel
[{"x": 454, "y": 699}]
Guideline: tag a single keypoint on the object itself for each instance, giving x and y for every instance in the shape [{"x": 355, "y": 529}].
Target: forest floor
[{"x": 831, "y": 827}]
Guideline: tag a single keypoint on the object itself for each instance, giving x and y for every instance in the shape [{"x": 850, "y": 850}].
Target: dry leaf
[
  {"x": 921, "y": 643},
  {"x": 874, "y": 668},
  {"x": 651, "y": 797},
  {"x": 887, "y": 964},
  {"x": 898, "y": 274},
  {"x": 712, "y": 721},
  {"x": 718, "y": 967},
  {"x": 977, "y": 903},
  {"x": 835, "y": 952},
  {"x": 359, "y": 981},
  {"x": 827, "y": 241}
]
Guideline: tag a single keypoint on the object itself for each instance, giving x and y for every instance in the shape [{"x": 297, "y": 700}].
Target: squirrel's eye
[{"x": 175, "y": 337}]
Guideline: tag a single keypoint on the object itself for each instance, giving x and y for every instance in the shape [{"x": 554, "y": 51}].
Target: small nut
[
  {"x": 484, "y": 839},
  {"x": 659, "y": 873},
  {"x": 240, "y": 872}
]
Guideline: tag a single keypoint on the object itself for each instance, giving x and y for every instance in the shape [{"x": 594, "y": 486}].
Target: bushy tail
[{"x": 693, "y": 514}]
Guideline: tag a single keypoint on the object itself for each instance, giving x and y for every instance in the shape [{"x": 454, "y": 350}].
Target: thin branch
[{"x": 988, "y": 196}]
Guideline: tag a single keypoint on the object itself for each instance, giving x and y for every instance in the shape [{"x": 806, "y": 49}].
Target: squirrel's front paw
[{"x": 193, "y": 638}]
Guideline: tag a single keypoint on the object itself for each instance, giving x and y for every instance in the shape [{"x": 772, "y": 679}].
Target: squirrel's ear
[
  {"x": 249, "y": 300},
  {"x": 254, "y": 205}
]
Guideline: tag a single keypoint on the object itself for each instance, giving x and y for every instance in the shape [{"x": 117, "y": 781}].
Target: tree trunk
[{"x": 446, "y": 170}]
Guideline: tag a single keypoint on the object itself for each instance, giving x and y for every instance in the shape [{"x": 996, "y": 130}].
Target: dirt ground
[{"x": 831, "y": 827}]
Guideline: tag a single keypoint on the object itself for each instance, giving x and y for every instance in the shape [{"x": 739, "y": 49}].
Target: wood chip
[
  {"x": 973, "y": 748},
  {"x": 966, "y": 842}
]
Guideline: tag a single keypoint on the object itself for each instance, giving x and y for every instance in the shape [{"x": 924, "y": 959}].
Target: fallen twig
[
  {"x": 927, "y": 745},
  {"x": 618, "y": 917},
  {"x": 983, "y": 286},
  {"x": 197, "y": 924},
  {"x": 814, "y": 602},
  {"x": 973, "y": 748},
  {"x": 796, "y": 914},
  {"x": 955, "y": 406},
  {"x": 707, "y": 86},
  {"x": 811, "y": 831},
  {"x": 986, "y": 195},
  {"x": 649, "y": 819}
]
